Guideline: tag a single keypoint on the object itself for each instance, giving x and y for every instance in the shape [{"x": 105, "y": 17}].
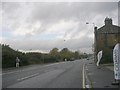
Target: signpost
[{"x": 116, "y": 60}]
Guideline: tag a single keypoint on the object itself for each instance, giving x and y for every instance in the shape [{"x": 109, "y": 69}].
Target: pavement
[
  {"x": 109, "y": 66},
  {"x": 99, "y": 77}
]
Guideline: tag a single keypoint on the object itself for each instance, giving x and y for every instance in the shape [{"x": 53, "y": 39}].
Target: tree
[
  {"x": 76, "y": 55},
  {"x": 54, "y": 51},
  {"x": 54, "y": 55},
  {"x": 66, "y": 53}
]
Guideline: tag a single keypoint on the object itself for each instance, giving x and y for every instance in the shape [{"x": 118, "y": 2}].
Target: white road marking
[
  {"x": 50, "y": 64},
  {"x": 83, "y": 83},
  {"x": 85, "y": 77},
  {"x": 88, "y": 85},
  {"x": 27, "y": 77},
  {"x": 24, "y": 70}
]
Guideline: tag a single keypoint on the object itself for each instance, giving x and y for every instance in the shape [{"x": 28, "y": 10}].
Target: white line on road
[
  {"x": 83, "y": 76},
  {"x": 88, "y": 83},
  {"x": 27, "y": 77},
  {"x": 24, "y": 70},
  {"x": 50, "y": 64}
]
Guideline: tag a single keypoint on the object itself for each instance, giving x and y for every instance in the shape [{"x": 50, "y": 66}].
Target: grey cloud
[
  {"x": 50, "y": 13},
  {"x": 10, "y": 7},
  {"x": 46, "y": 45}
]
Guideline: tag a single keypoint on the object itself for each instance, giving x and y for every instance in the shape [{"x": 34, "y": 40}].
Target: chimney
[{"x": 108, "y": 21}]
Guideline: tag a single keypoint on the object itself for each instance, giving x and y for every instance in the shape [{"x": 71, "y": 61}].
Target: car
[
  {"x": 87, "y": 58},
  {"x": 72, "y": 59}
]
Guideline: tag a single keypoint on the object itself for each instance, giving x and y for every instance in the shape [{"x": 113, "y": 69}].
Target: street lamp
[
  {"x": 91, "y": 23},
  {"x": 43, "y": 57},
  {"x": 94, "y": 37}
]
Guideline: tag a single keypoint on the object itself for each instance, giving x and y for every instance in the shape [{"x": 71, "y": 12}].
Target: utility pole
[{"x": 43, "y": 58}]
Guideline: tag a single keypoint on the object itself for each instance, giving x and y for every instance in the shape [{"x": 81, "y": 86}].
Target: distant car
[
  {"x": 87, "y": 58},
  {"x": 72, "y": 59}
]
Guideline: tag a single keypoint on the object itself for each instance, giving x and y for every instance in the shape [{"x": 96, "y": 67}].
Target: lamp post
[
  {"x": 91, "y": 23},
  {"x": 43, "y": 58},
  {"x": 94, "y": 46}
]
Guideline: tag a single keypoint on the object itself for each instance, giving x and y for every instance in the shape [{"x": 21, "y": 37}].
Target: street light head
[
  {"x": 95, "y": 28},
  {"x": 87, "y": 23}
]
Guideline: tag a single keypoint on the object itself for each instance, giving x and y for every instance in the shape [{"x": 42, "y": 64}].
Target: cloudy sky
[{"x": 41, "y": 26}]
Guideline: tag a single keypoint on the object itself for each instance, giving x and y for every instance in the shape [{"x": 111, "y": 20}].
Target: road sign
[{"x": 116, "y": 60}]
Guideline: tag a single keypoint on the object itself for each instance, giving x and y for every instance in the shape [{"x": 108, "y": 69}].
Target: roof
[{"x": 109, "y": 29}]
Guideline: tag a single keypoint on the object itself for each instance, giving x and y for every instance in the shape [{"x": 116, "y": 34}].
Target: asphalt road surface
[{"x": 57, "y": 75}]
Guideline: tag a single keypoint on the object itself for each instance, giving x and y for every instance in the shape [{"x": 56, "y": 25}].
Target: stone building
[{"x": 106, "y": 37}]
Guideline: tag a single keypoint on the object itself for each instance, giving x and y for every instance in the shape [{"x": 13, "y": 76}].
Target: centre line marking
[{"x": 27, "y": 77}]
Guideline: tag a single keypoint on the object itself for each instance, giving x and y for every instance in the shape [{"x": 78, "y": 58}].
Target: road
[{"x": 57, "y": 75}]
